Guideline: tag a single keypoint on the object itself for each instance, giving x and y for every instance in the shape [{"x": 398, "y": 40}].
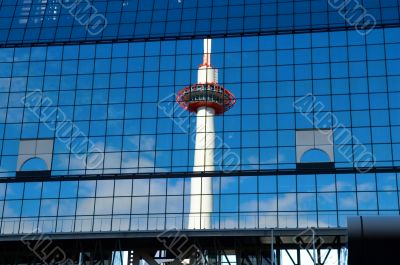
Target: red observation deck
[{"x": 206, "y": 95}]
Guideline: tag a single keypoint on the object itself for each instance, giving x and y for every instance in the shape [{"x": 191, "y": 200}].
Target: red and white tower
[{"x": 205, "y": 98}]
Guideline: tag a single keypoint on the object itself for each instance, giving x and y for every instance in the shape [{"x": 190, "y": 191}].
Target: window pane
[
  {"x": 367, "y": 200},
  {"x": 48, "y": 207},
  {"x": 123, "y": 187},
  {"x": 104, "y": 188},
  {"x": 85, "y": 206},
  {"x": 306, "y": 201},
  {"x": 103, "y": 206},
  {"x": 140, "y": 205},
  {"x": 388, "y": 201},
  {"x": 140, "y": 187},
  {"x": 67, "y": 207},
  {"x": 122, "y": 205},
  {"x": 157, "y": 204},
  {"x": 50, "y": 189},
  {"x": 87, "y": 188},
  {"x": 30, "y": 208},
  {"x": 287, "y": 202}
]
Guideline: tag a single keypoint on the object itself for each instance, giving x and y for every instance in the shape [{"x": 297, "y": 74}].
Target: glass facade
[
  {"x": 115, "y": 151},
  {"x": 47, "y": 21},
  {"x": 240, "y": 202}
]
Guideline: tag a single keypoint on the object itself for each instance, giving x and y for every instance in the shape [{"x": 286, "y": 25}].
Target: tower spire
[{"x": 207, "y": 53}]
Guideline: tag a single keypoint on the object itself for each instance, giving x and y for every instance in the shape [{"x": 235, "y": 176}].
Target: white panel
[
  {"x": 304, "y": 138},
  {"x": 44, "y": 147},
  {"x": 314, "y": 139},
  {"x": 323, "y": 137},
  {"x": 40, "y": 148},
  {"x": 21, "y": 160},
  {"x": 27, "y": 147},
  {"x": 300, "y": 150},
  {"x": 47, "y": 158},
  {"x": 327, "y": 149}
]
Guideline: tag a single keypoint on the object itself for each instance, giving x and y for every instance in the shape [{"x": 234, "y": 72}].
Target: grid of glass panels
[
  {"x": 25, "y": 21},
  {"x": 246, "y": 202},
  {"x": 118, "y": 100}
]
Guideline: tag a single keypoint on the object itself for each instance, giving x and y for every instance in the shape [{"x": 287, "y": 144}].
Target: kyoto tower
[{"x": 205, "y": 98}]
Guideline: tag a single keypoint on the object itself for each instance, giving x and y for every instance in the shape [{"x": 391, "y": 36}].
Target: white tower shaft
[{"x": 201, "y": 200}]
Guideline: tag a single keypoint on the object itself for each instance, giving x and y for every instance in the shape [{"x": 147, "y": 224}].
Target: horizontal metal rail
[{"x": 267, "y": 172}]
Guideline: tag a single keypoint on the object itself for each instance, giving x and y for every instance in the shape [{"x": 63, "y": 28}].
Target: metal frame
[
  {"x": 267, "y": 172},
  {"x": 190, "y": 37},
  {"x": 171, "y": 247}
]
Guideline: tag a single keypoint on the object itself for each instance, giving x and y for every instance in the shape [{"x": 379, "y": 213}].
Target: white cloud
[{"x": 254, "y": 161}]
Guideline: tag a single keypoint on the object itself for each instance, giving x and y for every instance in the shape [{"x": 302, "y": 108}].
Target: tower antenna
[{"x": 207, "y": 53}]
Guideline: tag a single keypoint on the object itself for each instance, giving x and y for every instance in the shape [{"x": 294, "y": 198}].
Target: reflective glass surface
[
  {"x": 40, "y": 21},
  {"x": 323, "y": 201},
  {"x": 92, "y": 138},
  {"x": 110, "y": 108}
]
